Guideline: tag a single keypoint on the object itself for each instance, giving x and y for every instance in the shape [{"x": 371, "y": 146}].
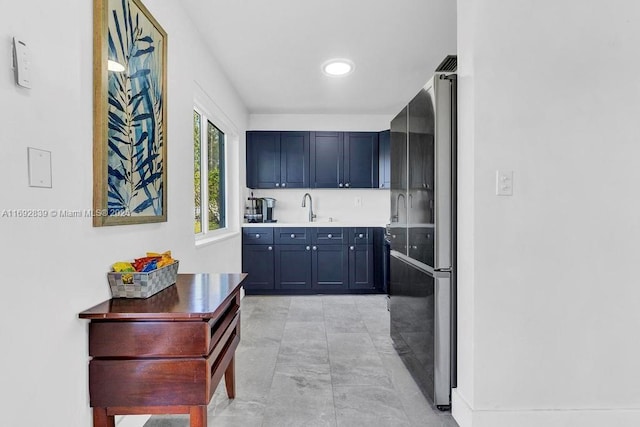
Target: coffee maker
[
  {"x": 268, "y": 204},
  {"x": 253, "y": 210},
  {"x": 259, "y": 209}
]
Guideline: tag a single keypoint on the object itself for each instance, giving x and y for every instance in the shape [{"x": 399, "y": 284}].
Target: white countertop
[{"x": 314, "y": 224}]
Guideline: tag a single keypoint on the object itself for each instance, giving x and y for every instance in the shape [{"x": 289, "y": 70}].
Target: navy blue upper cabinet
[
  {"x": 361, "y": 159},
  {"x": 294, "y": 160},
  {"x": 327, "y": 152},
  {"x": 344, "y": 159},
  {"x": 385, "y": 159},
  {"x": 277, "y": 159}
]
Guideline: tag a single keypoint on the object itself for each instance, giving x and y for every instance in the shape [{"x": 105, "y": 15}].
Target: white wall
[
  {"x": 54, "y": 268},
  {"x": 321, "y": 122},
  {"x": 548, "y": 285},
  {"x": 338, "y": 204}
]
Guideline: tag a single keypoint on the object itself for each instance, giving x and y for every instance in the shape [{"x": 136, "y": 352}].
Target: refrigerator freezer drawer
[{"x": 420, "y": 304}]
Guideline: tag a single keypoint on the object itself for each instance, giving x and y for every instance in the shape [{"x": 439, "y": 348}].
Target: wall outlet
[{"x": 357, "y": 202}]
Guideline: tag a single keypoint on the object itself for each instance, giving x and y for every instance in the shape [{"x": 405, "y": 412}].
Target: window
[{"x": 209, "y": 175}]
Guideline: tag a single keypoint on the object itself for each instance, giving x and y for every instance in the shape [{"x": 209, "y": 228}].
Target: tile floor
[{"x": 317, "y": 361}]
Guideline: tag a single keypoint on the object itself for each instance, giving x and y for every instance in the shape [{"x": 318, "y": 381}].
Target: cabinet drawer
[
  {"x": 163, "y": 381},
  {"x": 329, "y": 236},
  {"x": 148, "y": 339},
  {"x": 293, "y": 236},
  {"x": 111, "y": 339},
  {"x": 257, "y": 236},
  {"x": 360, "y": 235}
]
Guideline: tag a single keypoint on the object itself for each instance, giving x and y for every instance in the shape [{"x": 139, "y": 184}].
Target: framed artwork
[{"x": 129, "y": 114}]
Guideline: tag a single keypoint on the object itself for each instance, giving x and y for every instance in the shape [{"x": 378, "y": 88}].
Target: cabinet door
[
  {"x": 263, "y": 159},
  {"x": 327, "y": 166},
  {"x": 330, "y": 267},
  {"x": 257, "y": 262},
  {"x": 361, "y": 271},
  {"x": 294, "y": 159},
  {"x": 293, "y": 267},
  {"x": 384, "y": 156},
  {"x": 361, "y": 159}
]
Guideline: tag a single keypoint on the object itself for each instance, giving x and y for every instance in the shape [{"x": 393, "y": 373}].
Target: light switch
[
  {"x": 39, "y": 168},
  {"x": 357, "y": 202},
  {"x": 22, "y": 63},
  {"x": 504, "y": 183}
]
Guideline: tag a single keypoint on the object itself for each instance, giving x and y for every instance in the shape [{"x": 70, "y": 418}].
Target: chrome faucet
[
  {"x": 312, "y": 216},
  {"x": 396, "y": 217}
]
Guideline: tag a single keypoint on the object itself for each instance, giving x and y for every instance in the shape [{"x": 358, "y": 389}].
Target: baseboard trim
[
  {"x": 460, "y": 409},
  {"x": 465, "y": 416}
]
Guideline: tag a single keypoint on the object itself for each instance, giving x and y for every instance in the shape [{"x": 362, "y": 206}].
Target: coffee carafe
[
  {"x": 253, "y": 211},
  {"x": 268, "y": 204}
]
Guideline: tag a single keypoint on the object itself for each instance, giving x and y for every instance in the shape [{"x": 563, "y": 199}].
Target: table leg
[
  {"x": 198, "y": 416},
  {"x": 101, "y": 419},
  {"x": 230, "y": 378}
]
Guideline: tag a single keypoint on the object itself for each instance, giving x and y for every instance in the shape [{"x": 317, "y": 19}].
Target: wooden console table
[{"x": 165, "y": 354}]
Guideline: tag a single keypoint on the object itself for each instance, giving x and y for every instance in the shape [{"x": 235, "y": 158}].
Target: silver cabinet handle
[
  {"x": 284, "y": 184},
  {"x": 270, "y": 248},
  {"x": 347, "y": 185},
  {"x": 361, "y": 235},
  {"x": 340, "y": 185},
  {"x": 277, "y": 184},
  {"x": 315, "y": 248},
  {"x": 257, "y": 236},
  {"x": 293, "y": 236},
  {"x": 352, "y": 247},
  {"x": 330, "y": 235},
  {"x": 307, "y": 248}
]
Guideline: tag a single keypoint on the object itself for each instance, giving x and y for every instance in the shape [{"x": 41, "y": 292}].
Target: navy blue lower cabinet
[
  {"x": 258, "y": 260},
  {"x": 312, "y": 260},
  {"x": 258, "y": 263},
  {"x": 329, "y": 267},
  {"x": 292, "y": 267},
  {"x": 361, "y": 269}
]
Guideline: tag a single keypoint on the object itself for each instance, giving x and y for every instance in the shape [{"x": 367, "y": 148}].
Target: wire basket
[{"x": 142, "y": 285}]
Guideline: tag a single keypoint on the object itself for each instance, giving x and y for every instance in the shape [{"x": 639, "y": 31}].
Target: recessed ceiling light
[
  {"x": 115, "y": 66},
  {"x": 338, "y": 67}
]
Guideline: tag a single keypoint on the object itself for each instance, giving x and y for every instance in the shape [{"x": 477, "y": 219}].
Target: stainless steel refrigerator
[{"x": 422, "y": 235}]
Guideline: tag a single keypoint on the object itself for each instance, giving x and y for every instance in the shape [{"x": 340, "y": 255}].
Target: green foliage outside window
[{"x": 214, "y": 167}]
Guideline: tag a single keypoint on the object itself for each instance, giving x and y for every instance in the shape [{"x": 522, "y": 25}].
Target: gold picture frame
[{"x": 129, "y": 115}]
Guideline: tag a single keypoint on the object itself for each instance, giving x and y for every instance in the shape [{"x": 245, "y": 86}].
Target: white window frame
[{"x": 210, "y": 112}]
